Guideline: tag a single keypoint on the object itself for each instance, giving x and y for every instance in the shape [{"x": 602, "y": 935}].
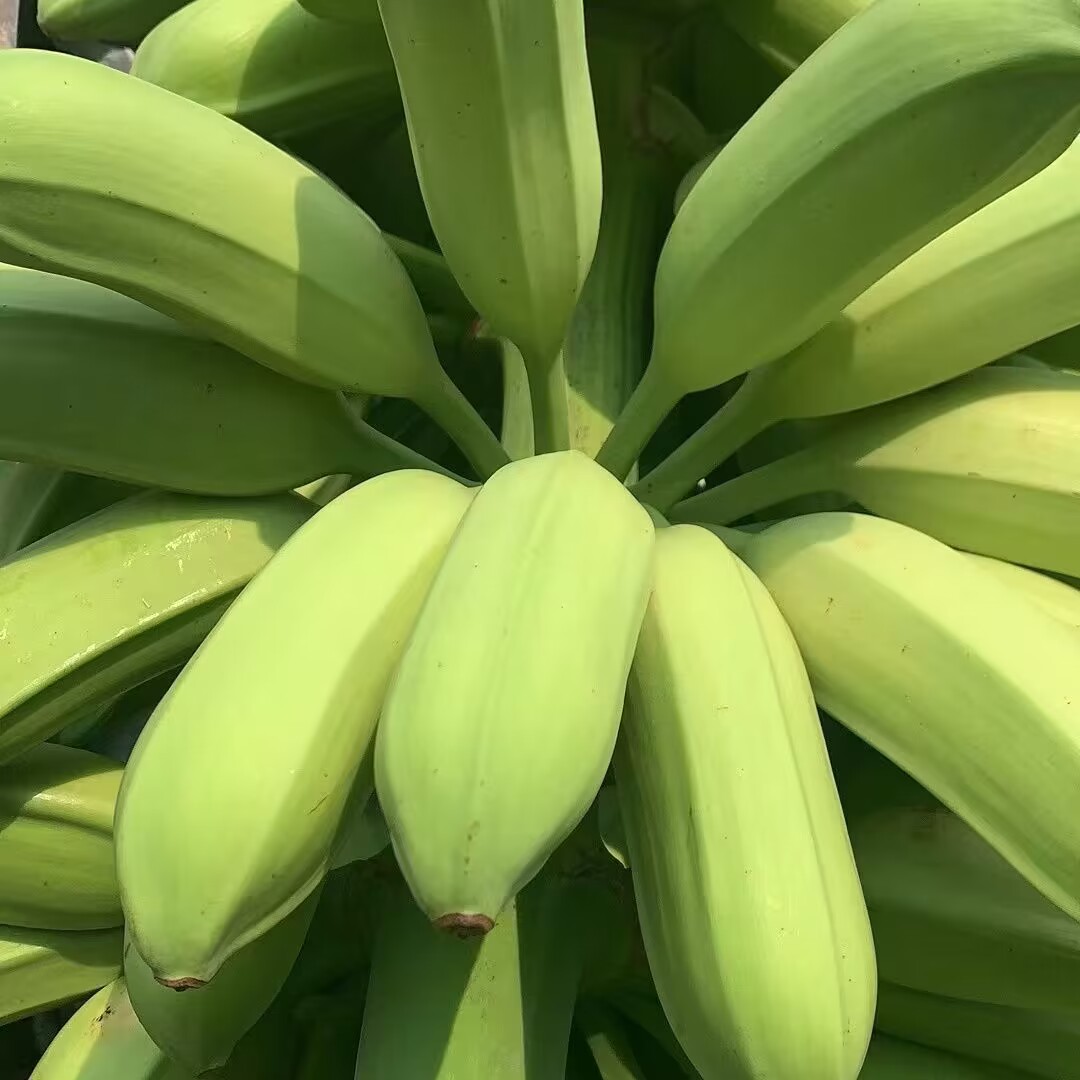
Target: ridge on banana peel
[
  {"x": 190, "y": 213},
  {"x": 124, "y": 21},
  {"x": 347, "y": 586},
  {"x": 272, "y": 66},
  {"x": 977, "y": 94},
  {"x": 125, "y": 594},
  {"x": 988, "y": 463},
  {"x": 56, "y": 850},
  {"x": 42, "y": 968},
  {"x": 995, "y": 283},
  {"x": 966, "y": 684},
  {"x": 501, "y": 717},
  {"x": 750, "y": 906},
  {"x": 78, "y": 362},
  {"x": 508, "y": 158}
]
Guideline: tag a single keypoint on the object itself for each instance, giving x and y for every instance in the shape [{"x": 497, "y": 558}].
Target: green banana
[
  {"x": 1060, "y": 598},
  {"x": 186, "y": 211},
  {"x": 342, "y": 10},
  {"x": 348, "y": 585},
  {"x": 272, "y": 66},
  {"x": 331, "y": 1025},
  {"x": 1062, "y": 349},
  {"x": 896, "y": 1059},
  {"x": 105, "y": 1041},
  {"x": 754, "y": 924},
  {"x": 986, "y": 463},
  {"x": 1042, "y": 1044},
  {"x": 500, "y": 720},
  {"x": 124, "y": 21},
  {"x": 607, "y": 1040},
  {"x": 950, "y": 916},
  {"x": 42, "y": 968},
  {"x": 56, "y": 849},
  {"x": 978, "y": 94},
  {"x": 964, "y": 683},
  {"x": 993, "y": 284},
  {"x": 200, "y": 1029},
  {"x": 118, "y": 597},
  {"x": 501, "y": 121}
]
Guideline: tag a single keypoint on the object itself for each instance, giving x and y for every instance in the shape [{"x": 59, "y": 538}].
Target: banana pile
[{"x": 540, "y": 539}]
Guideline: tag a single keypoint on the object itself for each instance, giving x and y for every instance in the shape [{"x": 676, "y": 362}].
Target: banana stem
[
  {"x": 550, "y": 405},
  {"x": 452, "y": 411},
  {"x": 741, "y": 418},
  {"x": 650, "y": 402},
  {"x": 780, "y": 480}
]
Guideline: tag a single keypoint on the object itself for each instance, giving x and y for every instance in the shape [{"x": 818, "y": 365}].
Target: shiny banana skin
[
  {"x": 42, "y": 968},
  {"x": 961, "y": 681},
  {"x": 1042, "y": 1044},
  {"x": 188, "y": 212},
  {"x": 898, "y": 1059},
  {"x": 273, "y": 67},
  {"x": 987, "y": 463},
  {"x": 501, "y": 120},
  {"x": 750, "y": 906},
  {"x": 348, "y": 586},
  {"x": 76, "y": 364},
  {"x": 56, "y": 849},
  {"x": 105, "y": 1041},
  {"x": 124, "y": 21},
  {"x": 1058, "y": 597},
  {"x": 981, "y": 94},
  {"x": 121, "y": 596},
  {"x": 951, "y": 917},
  {"x": 501, "y": 718}
]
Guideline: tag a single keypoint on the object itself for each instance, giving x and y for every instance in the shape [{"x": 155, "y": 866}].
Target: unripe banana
[
  {"x": 978, "y": 94},
  {"x": 348, "y": 587},
  {"x": 42, "y": 968},
  {"x": 118, "y": 597},
  {"x": 124, "y": 21},
  {"x": 1062, "y": 349},
  {"x": 1060, "y": 598},
  {"x": 500, "y": 115},
  {"x": 104, "y": 1040},
  {"x": 896, "y": 1059},
  {"x": 273, "y": 66},
  {"x": 501, "y": 718},
  {"x": 750, "y": 907},
  {"x": 176, "y": 206},
  {"x": 342, "y": 10},
  {"x": 56, "y": 848},
  {"x": 988, "y": 463},
  {"x": 966, "y": 684}
]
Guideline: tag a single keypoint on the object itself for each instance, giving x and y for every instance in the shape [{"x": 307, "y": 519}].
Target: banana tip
[
  {"x": 465, "y": 926},
  {"x": 186, "y": 983}
]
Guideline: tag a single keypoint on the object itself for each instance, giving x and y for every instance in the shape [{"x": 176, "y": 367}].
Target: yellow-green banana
[
  {"x": 897, "y": 1059},
  {"x": 56, "y": 846},
  {"x": 988, "y": 463},
  {"x": 1060, "y": 598},
  {"x": 271, "y": 65},
  {"x": 347, "y": 587},
  {"x": 104, "y": 1040},
  {"x": 181, "y": 208},
  {"x": 42, "y": 968},
  {"x": 124, "y": 21},
  {"x": 116, "y": 598},
  {"x": 977, "y": 94},
  {"x": 342, "y": 10},
  {"x": 500, "y": 114},
  {"x": 501, "y": 718},
  {"x": 754, "y": 924},
  {"x": 966, "y": 684}
]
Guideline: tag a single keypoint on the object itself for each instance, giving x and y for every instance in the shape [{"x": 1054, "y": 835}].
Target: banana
[
  {"x": 348, "y": 586},
  {"x": 987, "y": 463},
  {"x": 950, "y": 916},
  {"x": 331, "y": 1025},
  {"x": 501, "y": 718},
  {"x": 42, "y": 968},
  {"x": 200, "y": 1029},
  {"x": 754, "y": 924},
  {"x": 993, "y": 284},
  {"x": 56, "y": 850},
  {"x": 104, "y": 1040},
  {"x": 342, "y": 10},
  {"x": 788, "y": 31},
  {"x": 1062, "y": 349},
  {"x": 978, "y": 94},
  {"x": 966, "y": 684},
  {"x": 273, "y": 66},
  {"x": 178, "y": 207},
  {"x": 124, "y": 21},
  {"x": 1042, "y": 1044},
  {"x": 606, "y": 1038},
  {"x": 118, "y": 597},
  {"x": 896, "y": 1059},
  {"x": 1060, "y": 598},
  {"x": 501, "y": 121}
]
